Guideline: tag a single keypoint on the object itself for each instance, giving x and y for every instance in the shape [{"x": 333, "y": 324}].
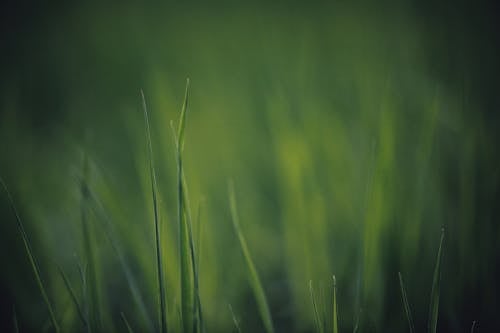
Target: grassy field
[{"x": 299, "y": 182}]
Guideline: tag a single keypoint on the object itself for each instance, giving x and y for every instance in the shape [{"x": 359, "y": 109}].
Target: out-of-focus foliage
[{"x": 352, "y": 134}]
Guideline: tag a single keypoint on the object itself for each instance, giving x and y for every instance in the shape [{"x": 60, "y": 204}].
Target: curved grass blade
[
  {"x": 125, "y": 321},
  {"x": 31, "y": 257},
  {"x": 73, "y": 297},
  {"x": 255, "y": 283},
  {"x": 436, "y": 281},
  {"x": 406, "y": 304},
  {"x": 335, "y": 309},
  {"x": 317, "y": 317},
  {"x": 154, "y": 190}
]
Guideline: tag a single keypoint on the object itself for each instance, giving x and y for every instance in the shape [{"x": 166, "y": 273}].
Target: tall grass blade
[
  {"x": 436, "y": 281},
  {"x": 125, "y": 321},
  {"x": 190, "y": 300},
  {"x": 335, "y": 309},
  {"x": 154, "y": 190},
  {"x": 235, "y": 320},
  {"x": 31, "y": 257},
  {"x": 317, "y": 318},
  {"x": 73, "y": 297},
  {"x": 406, "y": 304},
  {"x": 255, "y": 283}
]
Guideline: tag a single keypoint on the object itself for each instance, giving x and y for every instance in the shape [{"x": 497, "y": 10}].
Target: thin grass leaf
[
  {"x": 154, "y": 190},
  {"x": 31, "y": 257},
  {"x": 73, "y": 297},
  {"x": 317, "y": 318},
  {"x": 182, "y": 121},
  {"x": 14, "y": 320},
  {"x": 125, "y": 321},
  {"x": 335, "y": 309},
  {"x": 254, "y": 280},
  {"x": 190, "y": 300},
  {"x": 235, "y": 320},
  {"x": 356, "y": 324},
  {"x": 436, "y": 281},
  {"x": 406, "y": 304}
]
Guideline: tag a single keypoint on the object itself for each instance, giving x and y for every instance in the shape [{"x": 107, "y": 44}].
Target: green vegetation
[{"x": 352, "y": 135}]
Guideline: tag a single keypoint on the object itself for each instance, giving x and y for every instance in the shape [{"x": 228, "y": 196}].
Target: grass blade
[
  {"x": 356, "y": 324},
  {"x": 255, "y": 283},
  {"x": 31, "y": 257},
  {"x": 436, "y": 281},
  {"x": 154, "y": 190},
  {"x": 190, "y": 300},
  {"x": 73, "y": 297},
  {"x": 317, "y": 317},
  {"x": 125, "y": 321},
  {"x": 406, "y": 304},
  {"x": 335, "y": 309},
  {"x": 235, "y": 320}
]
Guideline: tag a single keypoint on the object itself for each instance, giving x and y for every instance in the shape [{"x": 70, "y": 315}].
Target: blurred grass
[{"x": 348, "y": 149}]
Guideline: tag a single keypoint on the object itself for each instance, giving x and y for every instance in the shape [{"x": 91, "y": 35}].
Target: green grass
[
  {"x": 435, "y": 291},
  {"x": 74, "y": 298},
  {"x": 126, "y": 323},
  {"x": 253, "y": 276},
  {"x": 32, "y": 259},
  {"x": 335, "y": 309},
  {"x": 406, "y": 304},
  {"x": 320, "y": 325},
  {"x": 154, "y": 190}
]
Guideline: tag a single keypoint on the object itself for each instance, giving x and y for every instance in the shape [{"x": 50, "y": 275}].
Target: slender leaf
[
  {"x": 154, "y": 191},
  {"x": 436, "y": 281},
  {"x": 335, "y": 309},
  {"x": 235, "y": 320},
  {"x": 406, "y": 304},
  {"x": 255, "y": 283},
  {"x": 317, "y": 318},
  {"x": 125, "y": 321},
  {"x": 71, "y": 292},
  {"x": 190, "y": 300}
]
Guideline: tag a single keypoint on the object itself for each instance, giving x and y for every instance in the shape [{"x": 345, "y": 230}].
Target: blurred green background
[{"x": 353, "y": 132}]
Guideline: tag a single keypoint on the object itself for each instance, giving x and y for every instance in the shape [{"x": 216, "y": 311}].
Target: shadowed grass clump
[{"x": 253, "y": 276}]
